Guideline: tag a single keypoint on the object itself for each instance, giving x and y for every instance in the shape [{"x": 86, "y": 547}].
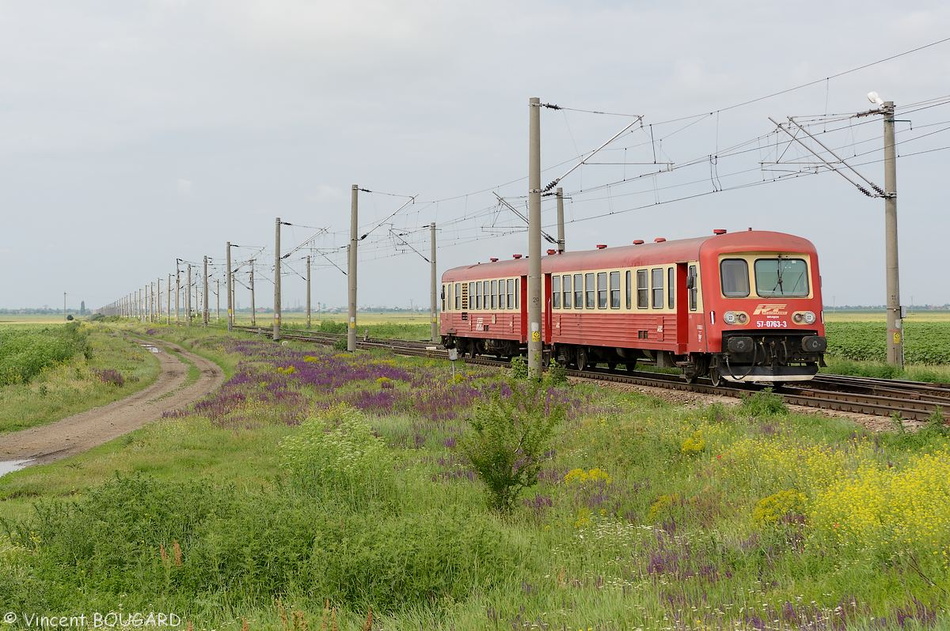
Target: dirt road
[{"x": 85, "y": 430}]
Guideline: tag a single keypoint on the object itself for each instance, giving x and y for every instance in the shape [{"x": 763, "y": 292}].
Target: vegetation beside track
[{"x": 317, "y": 486}]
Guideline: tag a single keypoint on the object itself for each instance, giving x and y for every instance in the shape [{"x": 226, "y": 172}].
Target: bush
[
  {"x": 509, "y": 439},
  {"x": 764, "y": 403},
  {"x": 337, "y": 457}
]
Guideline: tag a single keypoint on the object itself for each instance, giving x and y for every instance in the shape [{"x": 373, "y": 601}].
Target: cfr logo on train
[{"x": 771, "y": 310}]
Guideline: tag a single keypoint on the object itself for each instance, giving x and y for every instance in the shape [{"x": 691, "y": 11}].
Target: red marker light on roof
[
  {"x": 516, "y": 256},
  {"x": 719, "y": 231},
  {"x": 659, "y": 240},
  {"x": 601, "y": 246},
  {"x": 493, "y": 259},
  {"x": 638, "y": 242},
  {"x": 550, "y": 252}
]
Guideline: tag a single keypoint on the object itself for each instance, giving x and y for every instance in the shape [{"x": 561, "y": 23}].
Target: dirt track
[{"x": 88, "y": 429}]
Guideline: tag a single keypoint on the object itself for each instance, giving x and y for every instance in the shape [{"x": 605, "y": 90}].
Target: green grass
[
  {"x": 647, "y": 514},
  {"x": 75, "y": 385}
]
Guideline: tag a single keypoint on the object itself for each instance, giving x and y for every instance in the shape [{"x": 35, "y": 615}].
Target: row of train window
[
  {"x": 483, "y": 294},
  {"x": 591, "y": 290}
]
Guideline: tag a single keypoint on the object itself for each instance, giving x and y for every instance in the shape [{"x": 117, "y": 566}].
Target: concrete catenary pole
[
  {"x": 168, "y": 300},
  {"x": 217, "y": 300},
  {"x": 534, "y": 239},
  {"x": 177, "y": 291},
  {"x": 205, "y": 314},
  {"x": 434, "y": 290},
  {"x": 351, "y": 270},
  {"x": 895, "y": 333},
  {"x": 253, "y": 306},
  {"x": 308, "y": 291},
  {"x": 229, "y": 283},
  {"x": 560, "y": 220},
  {"x": 277, "y": 280},
  {"x": 188, "y": 296}
]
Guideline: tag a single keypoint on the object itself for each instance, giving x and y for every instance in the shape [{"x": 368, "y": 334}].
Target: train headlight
[
  {"x": 735, "y": 317},
  {"x": 804, "y": 317}
]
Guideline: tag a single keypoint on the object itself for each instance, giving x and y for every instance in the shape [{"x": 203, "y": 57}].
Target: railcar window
[
  {"x": 446, "y": 298},
  {"x": 518, "y": 293},
  {"x": 456, "y": 294},
  {"x": 578, "y": 291},
  {"x": 614, "y": 290},
  {"x": 511, "y": 293},
  {"x": 781, "y": 277},
  {"x": 494, "y": 294},
  {"x": 694, "y": 290},
  {"x": 735, "y": 278},
  {"x": 601, "y": 290},
  {"x": 628, "y": 285},
  {"x": 478, "y": 294},
  {"x": 589, "y": 301},
  {"x": 555, "y": 292},
  {"x": 568, "y": 293},
  {"x": 670, "y": 284},
  {"x": 643, "y": 290},
  {"x": 657, "y": 273}
]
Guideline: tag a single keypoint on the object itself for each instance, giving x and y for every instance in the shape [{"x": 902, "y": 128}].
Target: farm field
[{"x": 320, "y": 489}]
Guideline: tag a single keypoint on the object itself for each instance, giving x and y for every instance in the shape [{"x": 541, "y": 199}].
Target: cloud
[{"x": 184, "y": 187}]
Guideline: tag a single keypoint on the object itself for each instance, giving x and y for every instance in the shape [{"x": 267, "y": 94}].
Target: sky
[{"x": 135, "y": 136}]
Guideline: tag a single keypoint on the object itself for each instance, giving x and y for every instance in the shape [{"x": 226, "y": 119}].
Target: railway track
[{"x": 909, "y": 400}]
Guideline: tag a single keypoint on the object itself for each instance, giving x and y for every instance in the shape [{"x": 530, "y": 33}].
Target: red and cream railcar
[{"x": 742, "y": 306}]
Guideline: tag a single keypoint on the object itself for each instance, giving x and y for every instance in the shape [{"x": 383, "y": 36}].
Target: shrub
[
  {"x": 336, "y": 456},
  {"x": 509, "y": 438},
  {"x": 764, "y": 403}
]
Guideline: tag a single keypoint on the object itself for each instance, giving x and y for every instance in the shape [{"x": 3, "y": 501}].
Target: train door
[
  {"x": 546, "y": 316},
  {"x": 523, "y": 296},
  {"x": 682, "y": 308}
]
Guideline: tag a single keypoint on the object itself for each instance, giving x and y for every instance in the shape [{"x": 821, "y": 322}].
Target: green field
[{"x": 319, "y": 489}]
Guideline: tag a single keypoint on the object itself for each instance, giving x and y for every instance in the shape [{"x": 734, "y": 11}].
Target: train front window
[
  {"x": 735, "y": 278},
  {"x": 781, "y": 277}
]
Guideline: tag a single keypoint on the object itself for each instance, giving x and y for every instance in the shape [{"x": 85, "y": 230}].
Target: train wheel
[
  {"x": 611, "y": 366},
  {"x": 715, "y": 376},
  {"x": 631, "y": 366},
  {"x": 580, "y": 358}
]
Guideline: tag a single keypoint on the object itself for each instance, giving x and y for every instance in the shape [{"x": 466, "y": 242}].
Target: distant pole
[
  {"x": 277, "y": 281},
  {"x": 895, "y": 334},
  {"x": 168, "y": 300},
  {"x": 188, "y": 296},
  {"x": 434, "y": 289},
  {"x": 535, "y": 344},
  {"x": 228, "y": 281},
  {"x": 177, "y": 291},
  {"x": 158, "y": 300},
  {"x": 351, "y": 270},
  {"x": 217, "y": 299},
  {"x": 253, "y": 307},
  {"x": 205, "y": 311},
  {"x": 560, "y": 220},
  {"x": 308, "y": 291}
]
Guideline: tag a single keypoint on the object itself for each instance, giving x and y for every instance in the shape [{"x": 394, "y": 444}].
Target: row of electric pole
[{"x": 143, "y": 303}]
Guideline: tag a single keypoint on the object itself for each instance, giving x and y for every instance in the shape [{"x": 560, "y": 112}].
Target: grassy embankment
[{"x": 647, "y": 514}]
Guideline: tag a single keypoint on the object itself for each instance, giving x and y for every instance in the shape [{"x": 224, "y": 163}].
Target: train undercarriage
[{"x": 762, "y": 358}]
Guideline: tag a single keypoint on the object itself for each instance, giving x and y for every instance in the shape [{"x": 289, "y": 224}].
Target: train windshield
[{"x": 781, "y": 276}]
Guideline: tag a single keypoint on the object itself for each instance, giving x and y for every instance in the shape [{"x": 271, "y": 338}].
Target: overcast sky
[{"x": 135, "y": 133}]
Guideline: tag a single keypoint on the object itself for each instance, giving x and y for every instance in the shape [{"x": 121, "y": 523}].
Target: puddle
[{"x": 6, "y": 466}]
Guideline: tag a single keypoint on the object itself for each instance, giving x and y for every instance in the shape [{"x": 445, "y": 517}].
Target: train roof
[{"x": 659, "y": 251}]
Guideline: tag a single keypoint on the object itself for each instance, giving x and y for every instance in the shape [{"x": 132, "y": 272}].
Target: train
[{"x": 739, "y": 306}]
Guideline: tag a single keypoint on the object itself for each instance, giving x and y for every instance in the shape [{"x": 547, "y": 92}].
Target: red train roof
[{"x": 663, "y": 252}]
